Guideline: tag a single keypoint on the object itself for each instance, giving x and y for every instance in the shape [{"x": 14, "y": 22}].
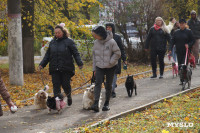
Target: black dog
[
  {"x": 185, "y": 75},
  {"x": 130, "y": 84}
]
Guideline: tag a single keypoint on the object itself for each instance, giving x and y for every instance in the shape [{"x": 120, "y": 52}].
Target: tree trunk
[
  {"x": 15, "y": 43},
  {"x": 28, "y": 35}
]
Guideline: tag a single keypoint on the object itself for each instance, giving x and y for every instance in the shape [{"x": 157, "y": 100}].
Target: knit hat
[
  {"x": 193, "y": 12},
  {"x": 100, "y": 30},
  {"x": 182, "y": 20}
]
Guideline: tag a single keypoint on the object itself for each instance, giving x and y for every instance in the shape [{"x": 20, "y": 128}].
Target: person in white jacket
[{"x": 172, "y": 21}]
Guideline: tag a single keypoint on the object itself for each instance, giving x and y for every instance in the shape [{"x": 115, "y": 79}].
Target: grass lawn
[{"x": 183, "y": 110}]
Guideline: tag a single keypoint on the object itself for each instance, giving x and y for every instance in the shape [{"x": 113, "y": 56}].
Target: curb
[{"x": 140, "y": 108}]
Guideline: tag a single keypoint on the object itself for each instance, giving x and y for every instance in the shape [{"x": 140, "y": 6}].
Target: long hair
[
  {"x": 163, "y": 27},
  {"x": 64, "y": 30}
]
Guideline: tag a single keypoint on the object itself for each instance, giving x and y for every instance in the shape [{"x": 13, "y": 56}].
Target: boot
[
  {"x": 69, "y": 101},
  {"x": 154, "y": 75},
  {"x": 95, "y": 106},
  {"x": 106, "y": 106}
]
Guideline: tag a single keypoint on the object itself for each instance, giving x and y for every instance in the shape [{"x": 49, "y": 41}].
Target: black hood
[{"x": 111, "y": 25}]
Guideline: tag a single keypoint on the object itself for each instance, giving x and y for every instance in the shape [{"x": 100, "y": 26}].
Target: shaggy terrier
[{"x": 88, "y": 98}]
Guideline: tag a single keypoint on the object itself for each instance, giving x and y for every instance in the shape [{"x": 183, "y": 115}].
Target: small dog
[
  {"x": 130, "y": 84},
  {"x": 56, "y": 103},
  {"x": 185, "y": 75},
  {"x": 174, "y": 69},
  {"x": 40, "y": 98},
  {"x": 88, "y": 98}
]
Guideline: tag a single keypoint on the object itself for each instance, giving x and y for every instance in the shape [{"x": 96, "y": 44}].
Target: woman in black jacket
[
  {"x": 158, "y": 37},
  {"x": 60, "y": 58},
  {"x": 182, "y": 38}
]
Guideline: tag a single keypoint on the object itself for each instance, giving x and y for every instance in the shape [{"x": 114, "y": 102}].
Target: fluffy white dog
[
  {"x": 40, "y": 98},
  {"x": 88, "y": 97}
]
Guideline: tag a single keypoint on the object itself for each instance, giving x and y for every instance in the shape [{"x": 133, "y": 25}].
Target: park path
[{"x": 29, "y": 120}]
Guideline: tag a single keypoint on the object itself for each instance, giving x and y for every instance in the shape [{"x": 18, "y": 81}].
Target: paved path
[{"x": 29, "y": 120}]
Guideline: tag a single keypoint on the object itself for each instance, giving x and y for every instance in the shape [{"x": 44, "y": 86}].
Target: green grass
[{"x": 184, "y": 108}]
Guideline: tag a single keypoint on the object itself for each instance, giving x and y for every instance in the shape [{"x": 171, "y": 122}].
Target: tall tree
[
  {"x": 28, "y": 35},
  {"x": 15, "y": 43}
]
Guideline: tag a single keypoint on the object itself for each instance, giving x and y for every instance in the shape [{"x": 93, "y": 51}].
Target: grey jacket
[{"x": 105, "y": 52}]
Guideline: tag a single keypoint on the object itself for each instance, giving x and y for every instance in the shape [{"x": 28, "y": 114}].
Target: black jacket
[
  {"x": 118, "y": 40},
  {"x": 180, "y": 38},
  {"x": 157, "y": 39},
  {"x": 194, "y": 25},
  {"x": 59, "y": 55}
]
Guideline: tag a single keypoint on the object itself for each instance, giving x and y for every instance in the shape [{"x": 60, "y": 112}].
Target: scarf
[{"x": 156, "y": 27}]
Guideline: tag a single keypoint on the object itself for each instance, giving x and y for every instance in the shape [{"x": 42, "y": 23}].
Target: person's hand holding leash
[{"x": 186, "y": 46}]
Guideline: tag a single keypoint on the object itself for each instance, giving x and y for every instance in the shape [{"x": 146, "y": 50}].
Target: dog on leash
[
  {"x": 40, "y": 98},
  {"x": 185, "y": 75},
  {"x": 175, "y": 69},
  {"x": 130, "y": 85},
  {"x": 88, "y": 97},
  {"x": 56, "y": 103}
]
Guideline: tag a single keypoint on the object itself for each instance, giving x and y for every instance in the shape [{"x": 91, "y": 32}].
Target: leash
[
  {"x": 186, "y": 56},
  {"x": 83, "y": 75},
  {"x": 81, "y": 87},
  {"x": 42, "y": 77}
]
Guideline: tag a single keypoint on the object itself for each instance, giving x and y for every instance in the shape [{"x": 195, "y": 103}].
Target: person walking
[
  {"x": 117, "y": 38},
  {"x": 60, "y": 56},
  {"x": 182, "y": 38},
  {"x": 5, "y": 95},
  {"x": 157, "y": 38},
  {"x": 194, "y": 25},
  {"x": 172, "y": 22},
  {"x": 175, "y": 27},
  {"x": 106, "y": 54}
]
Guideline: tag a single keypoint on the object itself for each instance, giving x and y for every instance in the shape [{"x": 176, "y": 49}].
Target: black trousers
[
  {"x": 160, "y": 54},
  {"x": 61, "y": 79},
  {"x": 100, "y": 72}
]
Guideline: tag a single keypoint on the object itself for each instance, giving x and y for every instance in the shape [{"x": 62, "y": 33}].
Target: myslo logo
[{"x": 180, "y": 124}]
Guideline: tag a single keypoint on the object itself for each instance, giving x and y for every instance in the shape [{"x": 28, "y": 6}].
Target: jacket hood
[
  {"x": 109, "y": 37},
  {"x": 111, "y": 25}
]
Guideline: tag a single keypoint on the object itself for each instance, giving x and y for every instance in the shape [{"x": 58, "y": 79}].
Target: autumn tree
[
  {"x": 28, "y": 35},
  {"x": 142, "y": 15},
  {"x": 180, "y": 8}
]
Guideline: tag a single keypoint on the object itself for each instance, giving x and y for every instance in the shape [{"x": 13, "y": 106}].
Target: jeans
[
  {"x": 100, "y": 72},
  {"x": 114, "y": 82},
  {"x": 174, "y": 54}
]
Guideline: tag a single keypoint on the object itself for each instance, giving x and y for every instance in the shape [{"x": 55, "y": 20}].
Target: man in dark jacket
[
  {"x": 194, "y": 25},
  {"x": 117, "y": 38}
]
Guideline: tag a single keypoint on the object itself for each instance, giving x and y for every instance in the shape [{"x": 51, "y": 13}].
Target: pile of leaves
[
  {"x": 181, "y": 109},
  {"x": 33, "y": 82}
]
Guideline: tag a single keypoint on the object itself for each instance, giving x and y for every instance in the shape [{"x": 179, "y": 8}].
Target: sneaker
[
  {"x": 113, "y": 94},
  {"x": 105, "y": 108},
  {"x": 161, "y": 77},
  {"x": 95, "y": 106}
]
